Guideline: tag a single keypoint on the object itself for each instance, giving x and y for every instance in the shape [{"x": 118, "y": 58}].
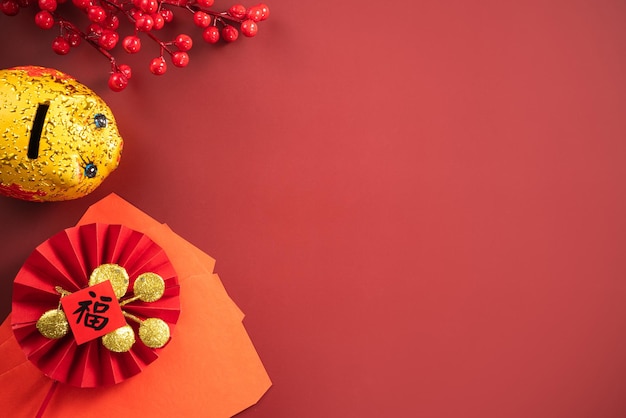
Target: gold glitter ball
[
  {"x": 53, "y": 324},
  {"x": 117, "y": 275},
  {"x": 121, "y": 340},
  {"x": 149, "y": 287},
  {"x": 154, "y": 332}
]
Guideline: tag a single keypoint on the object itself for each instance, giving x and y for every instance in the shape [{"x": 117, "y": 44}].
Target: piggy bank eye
[
  {"x": 100, "y": 120},
  {"x": 91, "y": 170}
]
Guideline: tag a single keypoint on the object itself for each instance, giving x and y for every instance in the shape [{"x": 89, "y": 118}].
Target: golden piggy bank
[{"x": 58, "y": 139}]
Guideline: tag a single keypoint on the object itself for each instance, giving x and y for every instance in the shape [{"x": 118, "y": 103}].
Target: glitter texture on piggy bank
[{"x": 58, "y": 139}]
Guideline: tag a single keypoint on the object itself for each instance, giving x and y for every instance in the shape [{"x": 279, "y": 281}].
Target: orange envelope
[{"x": 209, "y": 368}]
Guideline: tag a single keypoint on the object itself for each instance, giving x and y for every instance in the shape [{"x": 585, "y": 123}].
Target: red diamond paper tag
[{"x": 93, "y": 312}]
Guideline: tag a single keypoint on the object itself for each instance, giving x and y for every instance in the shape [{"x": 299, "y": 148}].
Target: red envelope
[{"x": 209, "y": 368}]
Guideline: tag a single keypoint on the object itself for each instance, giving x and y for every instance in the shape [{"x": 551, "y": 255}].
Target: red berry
[
  {"x": 211, "y": 34},
  {"x": 74, "y": 39},
  {"x": 131, "y": 44},
  {"x": 158, "y": 66},
  {"x": 238, "y": 11},
  {"x": 94, "y": 29},
  {"x": 108, "y": 39},
  {"x": 9, "y": 7},
  {"x": 205, "y": 3},
  {"x": 180, "y": 59},
  {"x": 265, "y": 10},
  {"x": 60, "y": 45},
  {"x": 201, "y": 19},
  {"x": 148, "y": 6},
  {"x": 118, "y": 81},
  {"x": 49, "y": 5},
  {"x": 249, "y": 28},
  {"x": 125, "y": 69},
  {"x": 144, "y": 23},
  {"x": 112, "y": 22},
  {"x": 44, "y": 19},
  {"x": 96, "y": 14},
  {"x": 183, "y": 42},
  {"x": 135, "y": 13},
  {"x": 230, "y": 33},
  {"x": 167, "y": 14},
  {"x": 25, "y": 3},
  {"x": 82, "y": 4},
  {"x": 159, "y": 22},
  {"x": 255, "y": 13}
]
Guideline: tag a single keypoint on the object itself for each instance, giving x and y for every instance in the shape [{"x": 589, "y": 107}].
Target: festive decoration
[
  {"x": 70, "y": 304},
  {"x": 208, "y": 368},
  {"x": 107, "y": 283},
  {"x": 58, "y": 141},
  {"x": 104, "y": 21}
]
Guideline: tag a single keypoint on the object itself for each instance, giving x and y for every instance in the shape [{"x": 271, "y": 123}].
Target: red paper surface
[
  {"x": 209, "y": 368},
  {"x": 420, "y": 216}
]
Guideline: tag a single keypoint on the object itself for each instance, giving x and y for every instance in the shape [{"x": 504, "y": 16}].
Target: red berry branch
[{"x": 145, "y": 18}]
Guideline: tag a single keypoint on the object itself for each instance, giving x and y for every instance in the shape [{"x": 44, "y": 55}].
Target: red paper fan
[{"x": 67, "y": 260}]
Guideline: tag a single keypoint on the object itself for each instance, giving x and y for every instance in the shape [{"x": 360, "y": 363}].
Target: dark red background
[{"x": 419, "y": 205}]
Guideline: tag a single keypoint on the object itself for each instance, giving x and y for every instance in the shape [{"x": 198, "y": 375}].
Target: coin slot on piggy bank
[{"x": 35, "y": 133}]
